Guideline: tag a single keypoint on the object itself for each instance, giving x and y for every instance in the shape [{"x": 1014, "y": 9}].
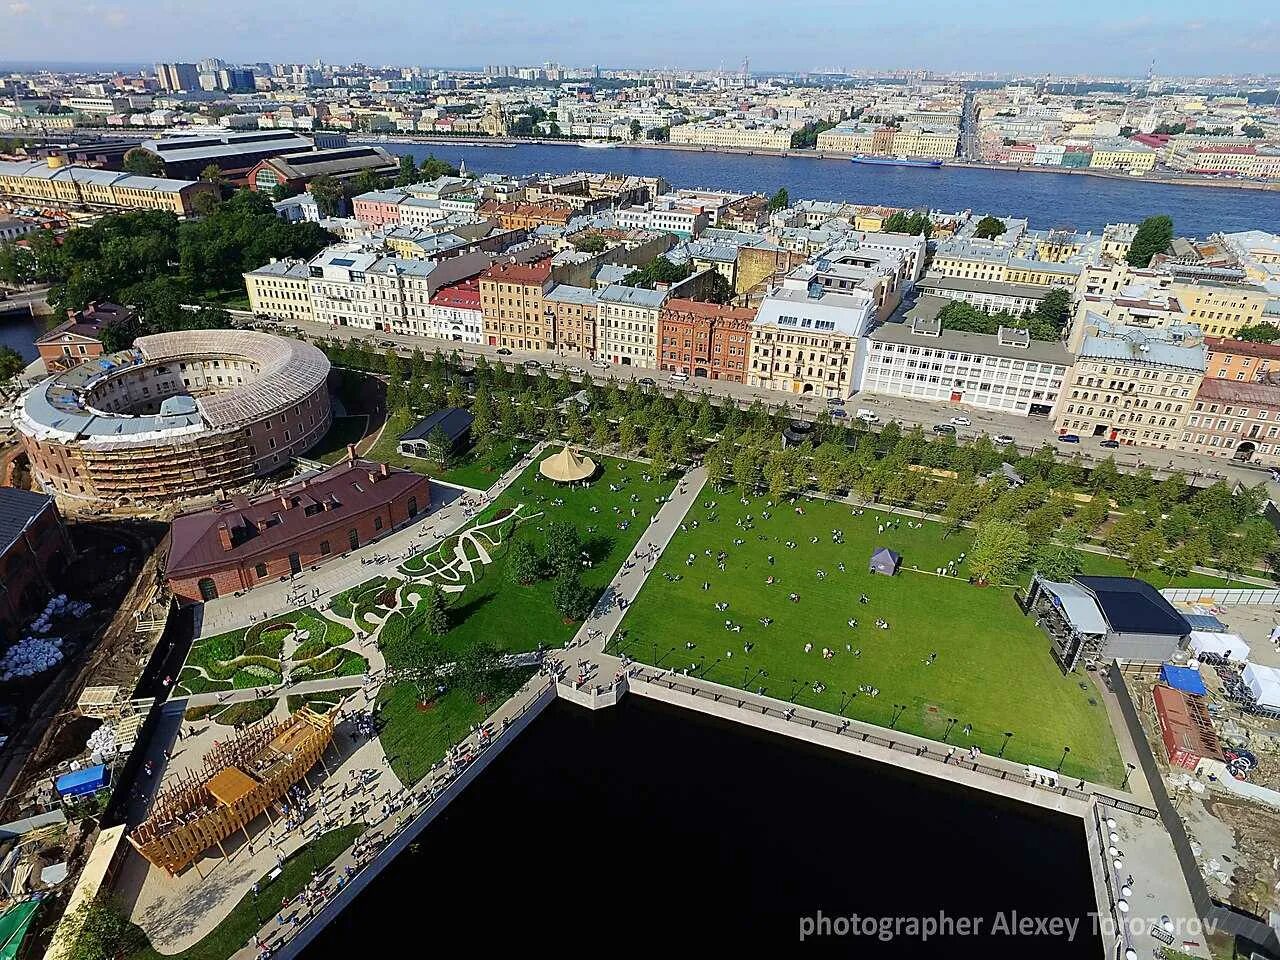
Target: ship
[
  {"x": 597, "y": 144},
  {"x": 896, "y": 161}
]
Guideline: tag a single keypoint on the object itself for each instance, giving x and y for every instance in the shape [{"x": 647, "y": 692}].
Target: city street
[{"x": 1028, "y": 433}]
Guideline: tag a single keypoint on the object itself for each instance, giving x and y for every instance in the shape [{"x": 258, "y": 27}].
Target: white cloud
[{"x": 18, "y": 7}]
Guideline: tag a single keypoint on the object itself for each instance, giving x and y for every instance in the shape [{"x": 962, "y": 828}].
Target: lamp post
[
  {"x": 1062, "y": 759},
  {"x": 951, "y": 724},
  {"x": 898, "y": 710},
  {"x": 1127, "y": 774},
  {"x": 1008, "y": 735}
]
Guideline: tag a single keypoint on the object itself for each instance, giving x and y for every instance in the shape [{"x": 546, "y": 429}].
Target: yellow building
[
  {"x": 1117, "y": 153},
  {"x": 280, "y": 289},
  {"x": 52, "y": 182},
  {"x": 981, "y": 260},
  {"x": 1218, "y": 308},
  {"x": 731, "y": 136}
]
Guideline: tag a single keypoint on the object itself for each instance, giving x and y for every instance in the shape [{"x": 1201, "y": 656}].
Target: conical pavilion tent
[{"x": 567, "y": 467}]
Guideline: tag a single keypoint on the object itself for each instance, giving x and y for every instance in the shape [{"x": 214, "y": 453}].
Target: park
[{"x": 778, "y": 597}]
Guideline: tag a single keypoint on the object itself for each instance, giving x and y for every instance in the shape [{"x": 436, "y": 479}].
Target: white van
[
  {"x": 679, "y": 378},
  {"x": 867, "y": 415}
]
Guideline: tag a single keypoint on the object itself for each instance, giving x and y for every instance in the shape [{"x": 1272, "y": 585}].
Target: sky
[{"x": 1115, "y": 37}]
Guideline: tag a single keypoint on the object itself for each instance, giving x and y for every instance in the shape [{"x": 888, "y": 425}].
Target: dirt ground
[{"x": 1255, "y": 872}]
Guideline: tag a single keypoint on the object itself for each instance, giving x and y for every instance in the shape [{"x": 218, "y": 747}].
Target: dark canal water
[
  {"x": 648, "y": 828},
  {"x": 1047, "y": 199},
  {"x": 20, "y": 334}
]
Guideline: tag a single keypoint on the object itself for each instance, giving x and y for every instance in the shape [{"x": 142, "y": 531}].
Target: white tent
[
  {"x": 1264, "y": 684},
  {"x": 1227, "y": 645}
]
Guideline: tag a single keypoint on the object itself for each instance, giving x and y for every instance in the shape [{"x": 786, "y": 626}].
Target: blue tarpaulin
[
  {"x": 1183, "y": 678},
  {"x": 79, "y": 782}
]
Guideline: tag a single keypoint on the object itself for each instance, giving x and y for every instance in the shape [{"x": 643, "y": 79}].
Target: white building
[
  {"x": 339, "y": 289},
  {"x": 1008, "y": 372},
  {"x": 627, "y": 325}
]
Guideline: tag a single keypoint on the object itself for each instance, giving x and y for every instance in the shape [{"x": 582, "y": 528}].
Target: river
[
  {"x": 20, "y": 334},
  {"x": 1046, "y": 199},
  {"x": 646, "y": 827}
]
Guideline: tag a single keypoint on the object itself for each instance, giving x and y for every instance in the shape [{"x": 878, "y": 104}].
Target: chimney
[
  {"x": 351, "y": 453},
  {"x": 382, "y": 470},
  {"x": 284, "y": 502},
  {"x": 224, "y": 535}
]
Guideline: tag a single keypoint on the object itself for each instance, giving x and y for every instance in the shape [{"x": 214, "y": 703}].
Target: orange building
[
  {"x": 513, "y": 305},
  {"x": 526, "y": 216},
  {"x": 1241, "y": 360},
  {"x": 705, "y": 339}
]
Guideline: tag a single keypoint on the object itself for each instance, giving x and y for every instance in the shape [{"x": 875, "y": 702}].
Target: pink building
[{"x": 378, "y": 207}]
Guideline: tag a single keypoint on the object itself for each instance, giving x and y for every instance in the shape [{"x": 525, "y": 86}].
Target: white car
[
  {"x": 1003, "y": 439},
  {"x": 961, "y": 421},
  {"x": 601, "y": 364},
  {"x": 575, "y": 371},
  {"x": 679, "y": 378}
]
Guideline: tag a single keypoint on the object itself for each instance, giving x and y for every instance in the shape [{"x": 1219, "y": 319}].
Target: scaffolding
[{"x": 239, "y": 779}]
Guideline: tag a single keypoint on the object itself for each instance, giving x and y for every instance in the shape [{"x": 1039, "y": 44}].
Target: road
[{"x": 1028, "y": 433}]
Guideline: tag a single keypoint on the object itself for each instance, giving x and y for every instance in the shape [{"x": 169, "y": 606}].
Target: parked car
[
  {"x": 679, "y": 378},
  {"x": 647, "y": 382},
  {"x": 835, "y": 401},
  {"x": 962, "y": 421},
  {"x": 867, "y": 416},
  {"x": 1110, "y": 444},
  {"x": 1004, "y": 438},
  {"x": 839, "y": 413},
  {"x": 1068, "y": 438},
  {"x": 504, "y": 352},
  {"x": 600, "y": 364},
  {"x": 575, "y": 371},
  {"x": 944, "y": 428},
  {"x": 532, "y": 364}
]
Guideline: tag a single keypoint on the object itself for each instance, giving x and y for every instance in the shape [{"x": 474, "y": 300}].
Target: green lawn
[
  {"x": 520, "y": 618},
  {"x": 466, "y": 472},
  {"x": 993, "y": 667},
  {"x": 414, "y": 739},
  {"x": 1102, "y": 565},
  {"x": 332, "y": 447},
  {"x": 239, "y": 926}
]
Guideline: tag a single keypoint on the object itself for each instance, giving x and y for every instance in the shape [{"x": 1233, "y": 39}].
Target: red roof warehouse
[{"x": 240, "y": 543}]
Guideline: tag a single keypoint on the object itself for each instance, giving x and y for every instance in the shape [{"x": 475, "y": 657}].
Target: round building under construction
[{"x": 179, "y": 415}]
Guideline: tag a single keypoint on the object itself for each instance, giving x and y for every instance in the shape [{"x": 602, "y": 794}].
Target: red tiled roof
[
  {"x": 1239, "y": 391},
  {"x": 529, "y": 273},
  {"x": 464, "y": 295},
  {"x": 713, "y": 310}
]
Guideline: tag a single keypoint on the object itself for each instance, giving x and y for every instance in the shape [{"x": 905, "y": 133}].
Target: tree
[
  {"x": 432, "y": 612},
  {"x": 719, "y": 289},
  {"x": 523, "y": 563},
  {"x": 563, "y": 549},
  {"x": 913, "y": 223},
  {"x": 143, "y": 163},
  {"x": 212, "y": 173},
  {"x": 572, "y": 598},
  {"x": 779, "y": 201},
  {"x": 475, "y": 670},
  {"x": 999, "y": 550},
  {"x": 328, "y": 194},
  {"x": 408, "y": 172},
  {"x": 590, "y": 242},
  {"x": 11, "y": 363},
  {"x": 424, "y": 661},
  {"x": 366, "y": 181},
  {"x": 1145, "y": 550},
  {"x": 989, "y": 228},
  {"x": 1057, "y": 562},
  {"x": 1153, "y": 236},
  {"x": 1266, "y": 332},
  {"x": 637, "y": 129},
  {"x": 105, "y": 932}
]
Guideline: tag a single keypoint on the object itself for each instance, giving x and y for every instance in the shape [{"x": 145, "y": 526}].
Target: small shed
[{"x": 885, "y": 561}]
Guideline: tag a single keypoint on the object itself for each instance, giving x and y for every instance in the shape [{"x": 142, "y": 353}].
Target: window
[
  {"x": 353, "y": 538},
  {"x": 325, "y": 549},
  {"x": 208, "y": 589},
  {"x": 260, "y": 570}
]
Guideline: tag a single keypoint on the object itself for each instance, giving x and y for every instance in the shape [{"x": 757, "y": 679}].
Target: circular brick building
[{"x": 179, "y": 415}]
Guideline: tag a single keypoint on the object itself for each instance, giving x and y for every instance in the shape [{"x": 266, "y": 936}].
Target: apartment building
[
  {"x": 1133, "y": 384},
  {"x": 627, "y": 324},
  {"x": 991, "y": 296},
  {"x": 665, "y": 216},
  {"x": 1219, "y": 308},
  {"x": 986, "y": 260},
  {"x": 454, "y": 313},
  {"x": 512, "y": 297},
  {"x": 732, "y": 135},
  {"x": 705, "y": 340},
  {"x": 280, "y": 289},
  {"x": 1241, "y": 360},
  {"x": 1234, "y": 420},
  {"x": 929, "y": 141},
  {"x": 339, "y": 292},
  {"x": 1007, "y": 371},
  {"x": 574, "y": 312},
  {"x": 805, "y": 336},
  {"x": 1137, "y": 305}
]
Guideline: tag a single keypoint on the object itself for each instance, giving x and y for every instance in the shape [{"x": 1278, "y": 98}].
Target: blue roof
[
  {"x": 1183, "y": 678},
  {"x": 79, "y": 782}
]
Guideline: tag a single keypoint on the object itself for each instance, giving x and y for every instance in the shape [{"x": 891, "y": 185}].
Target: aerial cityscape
[{"x": 824, "y": 498}]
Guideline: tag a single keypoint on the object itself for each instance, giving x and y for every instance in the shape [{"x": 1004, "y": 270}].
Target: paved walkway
[{"x": 380, "y": 558}]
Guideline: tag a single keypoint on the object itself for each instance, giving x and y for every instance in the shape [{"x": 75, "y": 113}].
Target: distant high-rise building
[
  {"x": 236, "y": 79},
  {"x": 178, "y": 76}
]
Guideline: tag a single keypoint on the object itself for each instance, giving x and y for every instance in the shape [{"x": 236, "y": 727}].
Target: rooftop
[{"x": 18, "y": 508}]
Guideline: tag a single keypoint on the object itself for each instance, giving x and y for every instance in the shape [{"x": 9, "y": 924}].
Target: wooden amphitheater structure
[{"x": 241, "y": 778}]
